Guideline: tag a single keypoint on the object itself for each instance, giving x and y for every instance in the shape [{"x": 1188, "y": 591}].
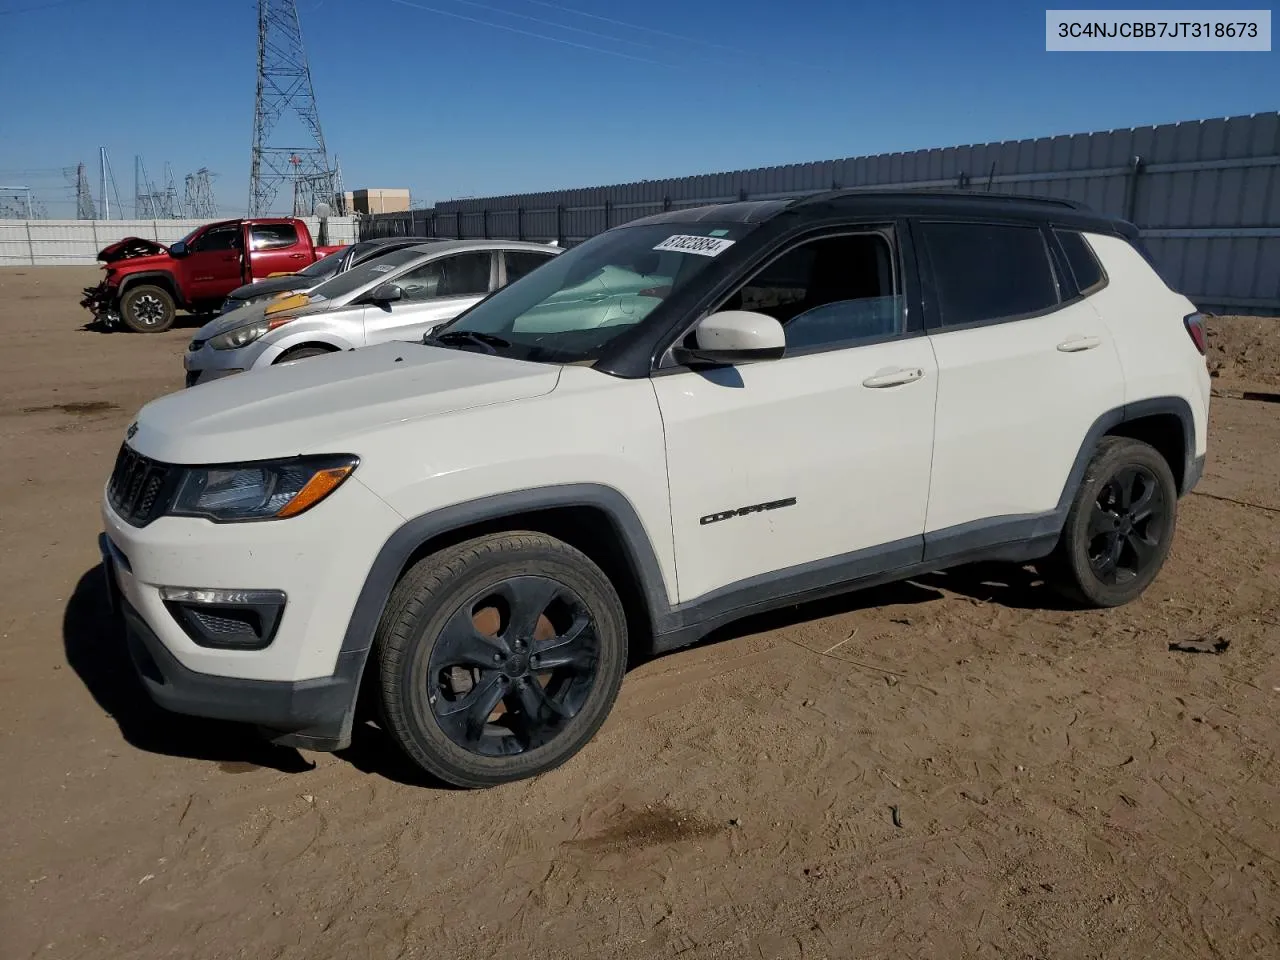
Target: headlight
[
  {"x": 238, "y": 337},
  {"x": 265, "y": 490}
]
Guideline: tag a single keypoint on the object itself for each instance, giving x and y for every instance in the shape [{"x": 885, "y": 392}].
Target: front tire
[
  {"x": 498, "y": 659},
  {"x": 148, "y": 309},
  {"x": 1120, "y": 526},
  {"x": 302, "y": 353}
]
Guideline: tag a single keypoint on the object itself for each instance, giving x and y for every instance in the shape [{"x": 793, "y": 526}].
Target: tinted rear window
[
  {"x": 1084, "y": 265},
  {"x": 986, "y": 272}
]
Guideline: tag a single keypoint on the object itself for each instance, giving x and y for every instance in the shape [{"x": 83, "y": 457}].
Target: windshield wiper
[{"x": 460, "y": 337}]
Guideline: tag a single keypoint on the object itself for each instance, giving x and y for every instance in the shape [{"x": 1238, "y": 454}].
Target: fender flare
[
  {"x": 167, "y": 280},
  {"x": 1051, "y": 523},
  {"x": 384, "y": 572}
]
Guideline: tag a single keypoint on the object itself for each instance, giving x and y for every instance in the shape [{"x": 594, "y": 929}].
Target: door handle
[
  {"x": 295, "y": 256},
  {"x": 893, "y": 378},
  {"x": 1076, "y": 344}
]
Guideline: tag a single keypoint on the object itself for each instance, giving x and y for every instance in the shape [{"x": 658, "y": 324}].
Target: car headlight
[
  {"x": 263, "y": 490},
  {"x": 238, "y": 337}
]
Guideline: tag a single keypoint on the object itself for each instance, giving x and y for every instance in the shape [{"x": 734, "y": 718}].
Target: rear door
[
  {"x": 1025, "y": 367},
  {"x": 434, "y": 292},
  {"x": 211, "y": 268},
  {"x": 277, "y": 248}
]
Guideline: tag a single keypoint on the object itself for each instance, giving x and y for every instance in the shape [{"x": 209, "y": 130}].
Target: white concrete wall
[{"x": 77, "y": 242}]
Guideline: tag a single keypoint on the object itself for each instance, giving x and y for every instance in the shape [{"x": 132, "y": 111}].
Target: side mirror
[
  {"x": 386, "y": 293},
  {"x": 734, "y": 336},
  {"x": 179, "y": 249}
]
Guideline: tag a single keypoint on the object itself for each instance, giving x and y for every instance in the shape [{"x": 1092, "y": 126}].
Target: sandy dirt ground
[{"x": 955, "y": 767}]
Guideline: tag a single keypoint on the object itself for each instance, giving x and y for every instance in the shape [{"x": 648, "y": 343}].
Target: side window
[
  {"x": 220, "y": 238},
  {"x": 466, "y": 274},
  {"x": 273, "y": 236},
  {"x": 1084, "y": 265},
  {"x": 829, "y": 291},
  {"x": 461, "y": 275},
  {"x": 985, "y": 272},
  {"x": 520, "y": 262}
]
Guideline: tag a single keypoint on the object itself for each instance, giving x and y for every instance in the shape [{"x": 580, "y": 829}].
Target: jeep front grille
[{"x": 140, "y": 487}]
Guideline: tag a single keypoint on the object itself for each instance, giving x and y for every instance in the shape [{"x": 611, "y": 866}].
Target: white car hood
[{"x": 323, "y": 404}]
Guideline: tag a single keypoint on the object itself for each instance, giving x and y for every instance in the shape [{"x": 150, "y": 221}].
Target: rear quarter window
[{"x": 1081, "y": 259}]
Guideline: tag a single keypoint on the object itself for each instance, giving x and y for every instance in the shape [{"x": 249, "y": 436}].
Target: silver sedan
[{"x": 399, "y": 296}]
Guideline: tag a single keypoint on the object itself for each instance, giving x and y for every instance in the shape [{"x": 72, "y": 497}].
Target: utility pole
[{"x": 289, "y": 155}]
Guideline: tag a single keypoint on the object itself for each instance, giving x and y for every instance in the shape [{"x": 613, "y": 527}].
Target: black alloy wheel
[
  {"x": 499, "y": 658},
  {"x": 1119, "y": 527},
  {"x": 512, "y": 666},
  {"x": 1126, "y": 525}
]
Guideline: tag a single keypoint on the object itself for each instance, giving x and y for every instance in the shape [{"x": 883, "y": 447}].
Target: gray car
[
  {"x": 323, "y": 269},
  {"x": 399, "y": 296}
]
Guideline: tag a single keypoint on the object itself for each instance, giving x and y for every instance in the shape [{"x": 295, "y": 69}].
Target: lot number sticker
[{"x": 702, "y": 246}]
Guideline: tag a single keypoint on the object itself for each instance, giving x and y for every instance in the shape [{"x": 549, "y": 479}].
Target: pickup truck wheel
[
  {"x": 1120, "y": 526},
  {"x": 499, "y": 658},
  {"x": 147, "y": 309}
]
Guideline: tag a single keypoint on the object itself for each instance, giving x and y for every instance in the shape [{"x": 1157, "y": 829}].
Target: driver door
[
  {"x": 434, "y": 292},
  {"x": 212, "y": 267},
  {"x": 814, "y": 468}
]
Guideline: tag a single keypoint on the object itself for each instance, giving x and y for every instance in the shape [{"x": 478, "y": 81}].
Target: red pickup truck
[{"x": 147, "y": 282}]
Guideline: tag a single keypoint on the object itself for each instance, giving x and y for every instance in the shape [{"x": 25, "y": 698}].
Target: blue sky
[{"x": 452, "y": 107}]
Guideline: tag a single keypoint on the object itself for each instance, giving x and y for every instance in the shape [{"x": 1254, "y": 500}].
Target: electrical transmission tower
[
  {"x": 85, "y": 209},
  {"x": 288, "y": 146},
  {"x": 199, "y": 203}
]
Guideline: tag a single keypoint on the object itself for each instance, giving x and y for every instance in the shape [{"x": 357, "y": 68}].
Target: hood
[
  {"x": 273, "y": 285},
  {"x": 130, "y": 248},
  {"x": 325, "y": 404}
]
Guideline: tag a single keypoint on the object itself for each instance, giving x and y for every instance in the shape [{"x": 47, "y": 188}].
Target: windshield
[
  {"x": 357, "y": 277},
  {"x": 568, "y": 309},
  {"x": 324, "y": 267}
]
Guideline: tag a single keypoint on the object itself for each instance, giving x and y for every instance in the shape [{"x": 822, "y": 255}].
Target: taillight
[{"x": 1194, "y": 322}]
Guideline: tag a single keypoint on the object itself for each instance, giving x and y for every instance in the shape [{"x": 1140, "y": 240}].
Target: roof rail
[{"x": 941, "y": 195}]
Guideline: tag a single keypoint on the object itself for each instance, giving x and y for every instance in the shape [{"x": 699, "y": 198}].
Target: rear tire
[
  {"x": 498, "y": 659},
  {"x": 1120, "y": 526},
  {"x": 147, "y": 309}
]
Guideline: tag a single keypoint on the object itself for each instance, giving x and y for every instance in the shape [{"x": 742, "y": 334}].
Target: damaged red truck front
[{"x": 146, "y": 283}]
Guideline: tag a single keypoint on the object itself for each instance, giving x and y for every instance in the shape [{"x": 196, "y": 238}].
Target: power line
[
  {"x": 530, "y": 33},
  {"x": 631, "y": 26},
  {"x": 39, "y": 6},
  {"x": 558, "y": 26}
]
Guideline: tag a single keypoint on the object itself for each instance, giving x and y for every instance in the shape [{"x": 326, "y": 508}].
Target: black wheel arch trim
[
  {"x": 410, "y": 537},
  {"x": 167, "y": 280},
  {"x": 1020, "y": 538}
]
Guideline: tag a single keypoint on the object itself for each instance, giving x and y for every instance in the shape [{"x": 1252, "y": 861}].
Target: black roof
[{"x": 871, "y": 202}]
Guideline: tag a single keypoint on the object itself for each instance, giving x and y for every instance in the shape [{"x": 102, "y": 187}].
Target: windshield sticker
[
  {"x": 382, "y": 268},
  {"x": 719, "y": 233},
  {"x": 702, "y": 246}
]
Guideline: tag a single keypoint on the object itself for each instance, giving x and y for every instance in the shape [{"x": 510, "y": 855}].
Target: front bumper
[
  {"x": 300, "y": 686},
  {"x": 205, "y": 363},
  {"x": 315, "y": 714},
  {"x": 101, "y": 302}
]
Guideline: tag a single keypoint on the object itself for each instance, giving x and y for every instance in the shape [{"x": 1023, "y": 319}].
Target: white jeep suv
[{"x": 690, "y": 418}]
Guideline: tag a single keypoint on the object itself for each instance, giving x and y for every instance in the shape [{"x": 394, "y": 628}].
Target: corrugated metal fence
[
  {"x": 72, "y": 242},
  {"x": 1205, "y": 193}
]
